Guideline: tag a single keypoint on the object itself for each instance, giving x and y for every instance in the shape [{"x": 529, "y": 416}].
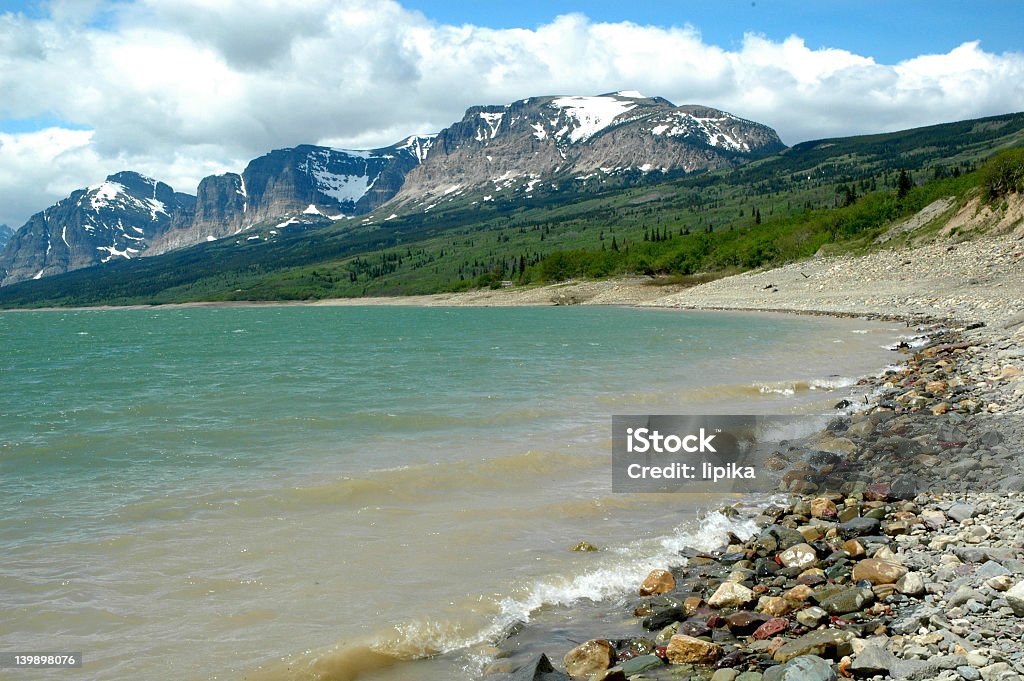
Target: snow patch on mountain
[
  {"x": 493, "y": 121},
  {"x": 587, "y": 116},
  {"x": 712, "y": 131},
  {"x": 418, "y": 145}
]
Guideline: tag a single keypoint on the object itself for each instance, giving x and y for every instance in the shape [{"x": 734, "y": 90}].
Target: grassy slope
[{"x": 569, "y": 231}]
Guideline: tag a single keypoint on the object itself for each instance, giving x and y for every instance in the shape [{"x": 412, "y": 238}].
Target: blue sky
[
  {"x": 889, "y": 31},
  {"x": 182, "y": 89}
]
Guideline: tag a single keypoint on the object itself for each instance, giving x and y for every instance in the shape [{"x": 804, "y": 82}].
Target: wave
[
  {"x": 705, "y": 396},
  {"x": 409, "y": 484},
  {"x": 619, "y": 573}
]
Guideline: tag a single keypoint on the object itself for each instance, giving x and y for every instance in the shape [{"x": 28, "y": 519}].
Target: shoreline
[
  {"x": 894, "y": 573},
  {"x": 877, "y": 578},
  {"x": 986, "y": 341}
]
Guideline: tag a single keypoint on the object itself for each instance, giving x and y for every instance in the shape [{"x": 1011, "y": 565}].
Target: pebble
[{"x": 909, "y": 564}]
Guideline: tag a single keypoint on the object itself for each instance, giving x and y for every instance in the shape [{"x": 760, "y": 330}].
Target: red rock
[
  {"x": 772, "y": 627},
  {"x": 743, "y": 623},
  {"x": 878, "y": 491},
  {"x": 715, "y": 621}
]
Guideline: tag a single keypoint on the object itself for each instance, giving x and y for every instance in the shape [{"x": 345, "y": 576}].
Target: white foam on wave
[
  {"x": 632, "y": 565},
  {"x": 624, "y": 569}
]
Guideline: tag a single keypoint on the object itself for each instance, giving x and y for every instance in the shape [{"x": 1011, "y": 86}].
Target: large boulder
[
  {"x": 806, "y": 668},
  {"x": 731, "y": 595},
  {"x": 689, "y": 650},
  {"x": 589, "y": 658},
  {"x": 658, "y": 582},
  {"x": 878, "y": 571},
  {"x": 819, "y": 642}
]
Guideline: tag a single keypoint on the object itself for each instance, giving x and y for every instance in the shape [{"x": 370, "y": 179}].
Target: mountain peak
[
  {"x": 501, "y": 146},
  {"x": 112, "y": 220}
]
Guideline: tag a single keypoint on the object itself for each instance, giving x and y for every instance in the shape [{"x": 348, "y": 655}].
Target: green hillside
[{"x": 829, "y": 193}]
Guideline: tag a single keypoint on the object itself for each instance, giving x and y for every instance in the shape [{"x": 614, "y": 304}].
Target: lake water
[{"x": 316, "y": 492}]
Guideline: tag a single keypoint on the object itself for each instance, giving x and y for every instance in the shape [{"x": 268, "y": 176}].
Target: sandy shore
[{"x": 979, "y": 280}]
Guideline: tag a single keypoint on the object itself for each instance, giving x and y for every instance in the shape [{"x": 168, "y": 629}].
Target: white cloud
[{"x": 182, "y": 88}]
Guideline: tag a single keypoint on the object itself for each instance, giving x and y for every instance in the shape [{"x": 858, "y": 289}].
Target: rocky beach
[{"x": 895, "y": 549}]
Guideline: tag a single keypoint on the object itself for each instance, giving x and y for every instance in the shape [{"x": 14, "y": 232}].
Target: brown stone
[
  {"x": 743, "y": 623},
  {"x": 823, "y": 508},
  {"x": 798, "y": 594},
  {"x": 812, "y": 578},
  {"x": 658, "y": 582},
  {"x": 688, "y": 650},
  {"x": 809, "y": 532},
  {"x": 822, "y": 642},
  {"x": 776, "y": 606},
  {"x": 691, "y": 605},
  {"x": 896, "y": 528},
  {"x": 849, "y": 512},
  {"x": 854, "y": 548},
  {"x": 878, "y": 571},
  {"x": 878, "y": 491},
  {"x": 588, "y": 658},
  {"x": 836, "y": 445}
]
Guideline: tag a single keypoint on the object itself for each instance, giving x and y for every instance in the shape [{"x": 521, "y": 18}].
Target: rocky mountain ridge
[
  {"x": 118, "y": 218},
  {"x": 492, "y": 148},
  {"x": 297, "y": 187},
  {"x": 518, "y": 144}
]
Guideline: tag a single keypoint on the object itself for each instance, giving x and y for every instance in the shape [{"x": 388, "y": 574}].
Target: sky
[{"x": 181, "y": 89}]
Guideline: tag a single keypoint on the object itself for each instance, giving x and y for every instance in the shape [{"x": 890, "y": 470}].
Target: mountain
[
  {"x": 815, "y": 195},
  {"x": 532, "y": 140},
  {"x": 493, "y": 148},
  {"x": 5, "y": 235},
  {"x": 301, "y": 186},
  {"x": 130, "y": 215},
  {"x": 113, "y": 220}
]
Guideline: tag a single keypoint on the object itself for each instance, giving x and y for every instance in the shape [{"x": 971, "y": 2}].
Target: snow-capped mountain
[
  {"x": 492, "y": 148},
  {"x": 304, "y": 185},
  {"x": 574, "y": 136},
  {"x": 116, "y": 219}
]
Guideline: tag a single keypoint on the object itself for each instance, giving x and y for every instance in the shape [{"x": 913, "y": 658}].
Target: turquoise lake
[{"x": 290, "y": 491}]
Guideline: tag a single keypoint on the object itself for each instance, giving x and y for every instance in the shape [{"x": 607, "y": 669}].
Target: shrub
[{"x": 1003, "y": 174}]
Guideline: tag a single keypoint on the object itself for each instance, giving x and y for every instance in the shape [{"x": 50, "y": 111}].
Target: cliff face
[
  {"x": 319, "y": 183},
  {"x": 572, "y": 136},
  {"x": 5, "y": 235},
  {"x": 116, "y": 219}
]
